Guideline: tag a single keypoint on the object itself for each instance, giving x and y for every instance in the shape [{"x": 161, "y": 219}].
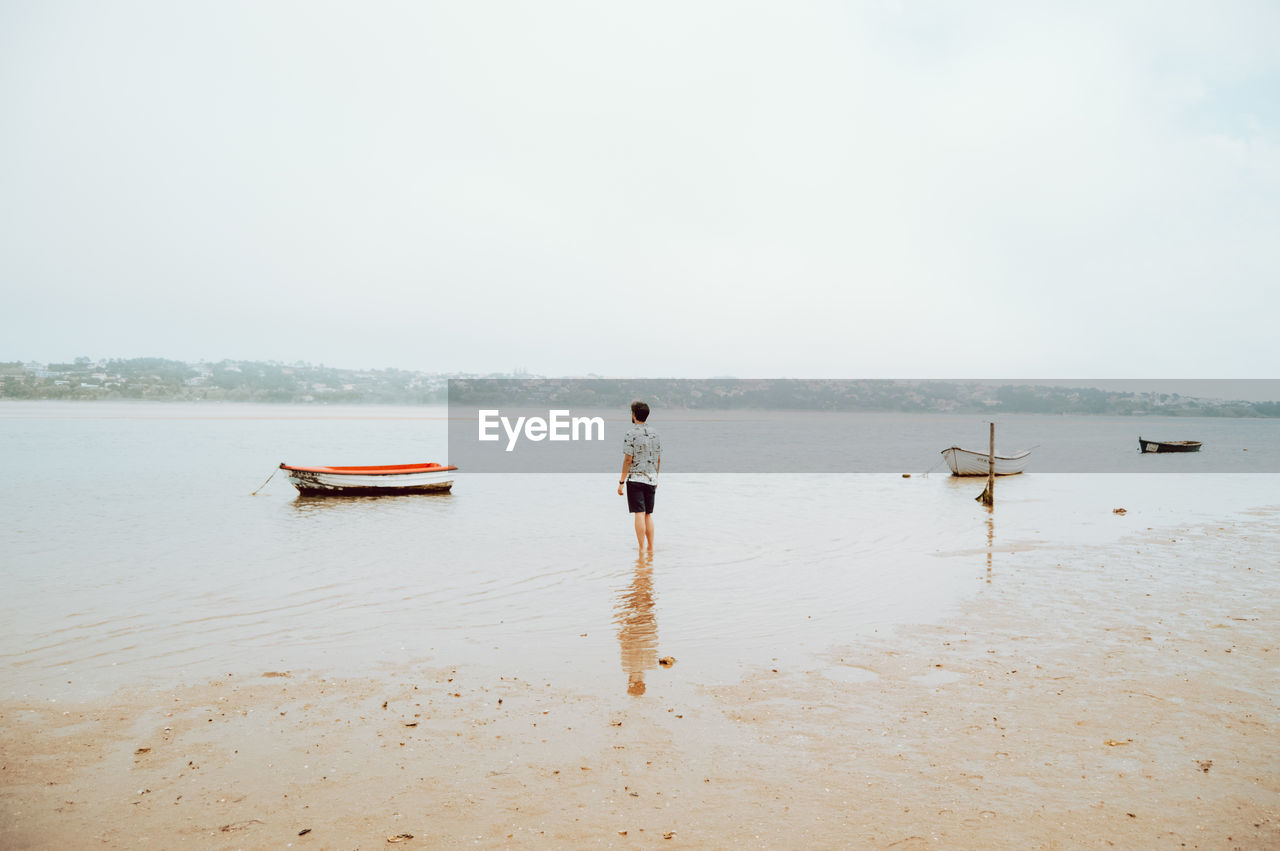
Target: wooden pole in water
[
  {"x": 991, "y": 467},
  {"x": 988, "y": 496}
]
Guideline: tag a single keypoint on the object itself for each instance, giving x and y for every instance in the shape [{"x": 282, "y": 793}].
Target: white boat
[
  {"x": 371, "y": 481},
  {"x": 965, "y": 462}
]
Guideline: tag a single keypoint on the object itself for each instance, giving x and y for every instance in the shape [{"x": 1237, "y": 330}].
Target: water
[{"x": 133, "y": 553}]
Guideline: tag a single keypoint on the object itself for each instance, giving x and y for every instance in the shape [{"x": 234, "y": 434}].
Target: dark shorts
[{"x": 640, "y": 497}]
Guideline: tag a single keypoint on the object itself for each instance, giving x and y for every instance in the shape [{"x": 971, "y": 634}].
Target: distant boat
[
  {"x": 371, "y": 481},
  {"x": 965, "y": 462},
  {"x": 1168, "y": 445}
]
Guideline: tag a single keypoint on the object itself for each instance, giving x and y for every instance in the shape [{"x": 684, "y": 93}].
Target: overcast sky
[{"x": 858, "y": 190}]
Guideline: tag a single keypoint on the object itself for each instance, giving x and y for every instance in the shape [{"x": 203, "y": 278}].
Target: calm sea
[{"x": 132, "y": 552}]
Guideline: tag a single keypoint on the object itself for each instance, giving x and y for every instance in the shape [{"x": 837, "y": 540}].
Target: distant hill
[
  {"x": 232, "y": 381},
  {"x": 951, "y": 397},
  {"x": 302, "y": 383}
]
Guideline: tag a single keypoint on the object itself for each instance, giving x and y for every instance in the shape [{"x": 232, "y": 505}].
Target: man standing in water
[{"x": 640, "y": 472}]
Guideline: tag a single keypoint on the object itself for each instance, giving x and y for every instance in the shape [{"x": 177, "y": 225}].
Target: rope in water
[
  {"x": 264, "y": 484},
  {"x": 926, "y": 473}
]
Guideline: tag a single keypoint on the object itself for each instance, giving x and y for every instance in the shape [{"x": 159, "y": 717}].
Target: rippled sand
[{"x": 1116, "y": 693}]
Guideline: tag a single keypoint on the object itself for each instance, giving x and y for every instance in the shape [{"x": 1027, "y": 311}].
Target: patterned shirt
[{"x": 644, "y": 447}]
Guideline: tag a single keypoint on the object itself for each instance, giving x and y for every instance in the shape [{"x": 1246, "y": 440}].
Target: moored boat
[
  {"x": 1145, "y": 445},
  {"x": 371, "y": 481},
  {"x": 965, "y": 462}
]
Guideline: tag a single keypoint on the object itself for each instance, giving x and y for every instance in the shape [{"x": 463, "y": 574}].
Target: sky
[{"x": 850, "y": 190}]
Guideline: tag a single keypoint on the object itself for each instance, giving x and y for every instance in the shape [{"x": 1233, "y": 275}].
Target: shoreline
[{"x": 1136, "y": 705}]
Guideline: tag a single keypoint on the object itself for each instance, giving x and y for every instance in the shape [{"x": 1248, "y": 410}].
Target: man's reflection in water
[{"x": 637, "y": 625}]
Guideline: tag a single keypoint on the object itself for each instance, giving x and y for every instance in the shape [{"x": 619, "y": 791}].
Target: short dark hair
[{"x": 640, "y": 411}]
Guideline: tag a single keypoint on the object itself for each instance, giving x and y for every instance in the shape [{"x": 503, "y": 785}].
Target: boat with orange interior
[{"x": 425, "y": 477}]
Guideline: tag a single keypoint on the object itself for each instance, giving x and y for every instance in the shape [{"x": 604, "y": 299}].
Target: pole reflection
[
  {"x": 637, "y": 625},
  {"x": 991, "y": 538}
]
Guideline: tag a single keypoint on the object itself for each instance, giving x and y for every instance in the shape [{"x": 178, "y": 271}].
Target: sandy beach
[
  {"x": 1075, "y": 703},
  {"x": 275, "y": 273}
]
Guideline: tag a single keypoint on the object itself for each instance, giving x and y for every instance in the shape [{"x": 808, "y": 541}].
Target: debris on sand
[
  {"x": 400, "y": 837},
  {"x": 667, "y": 661},
  {"x": 1119, "y": 511}
]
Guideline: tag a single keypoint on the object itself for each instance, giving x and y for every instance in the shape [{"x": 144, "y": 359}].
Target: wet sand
[{"x": 1123, "y": 695}]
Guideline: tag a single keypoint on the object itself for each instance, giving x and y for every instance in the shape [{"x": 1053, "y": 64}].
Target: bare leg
[
  {"x": 639, "y": 516},
  {"x": 648, "y": 529}
]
